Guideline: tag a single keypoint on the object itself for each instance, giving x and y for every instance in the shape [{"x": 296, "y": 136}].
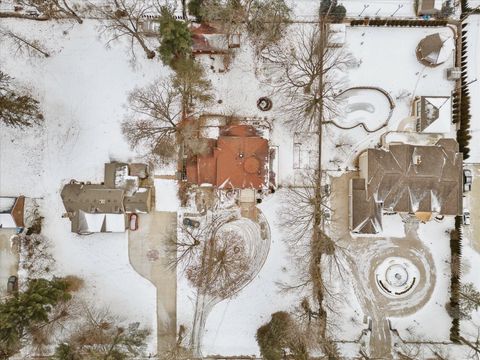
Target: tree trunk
[
  {"x": 150, "y": 53},
  {"x": 23, "y": 16},
  {"x": 29, "y": 44}
]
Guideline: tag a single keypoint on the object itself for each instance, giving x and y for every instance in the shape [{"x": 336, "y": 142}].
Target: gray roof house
[
  {"x": 104, "y": 207},
  {"x": 414, "y": 179}
]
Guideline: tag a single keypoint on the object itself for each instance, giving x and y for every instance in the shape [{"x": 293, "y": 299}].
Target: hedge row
[
  {"x": 467, "y": 9},
  {"x": 455, "y": 257},
  {"x": 398, "y": 22},
  {"x": 462, "y": 109}
]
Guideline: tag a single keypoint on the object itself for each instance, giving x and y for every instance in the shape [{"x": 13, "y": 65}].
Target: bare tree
[
  {"x": 35, "y": 255},
  {"x": 101, "y": 335},
  {"x": 179, "y": 350},
  {"x": 222, "y": 266},
  {"x": 213, "y": 256},
  {"x": 23, "y": 44},
  {"x": 302, "y": 61},
  {"x": 156, "y": 111},
  {"x": 318, "y": 256},
  {"x": 53, "y": 8},
  {"x": 162, "y": 112},
  {"x": 123, "y": 19},
  {"x": 265, "y": 20},
  {"x": 186, "y": 247}
]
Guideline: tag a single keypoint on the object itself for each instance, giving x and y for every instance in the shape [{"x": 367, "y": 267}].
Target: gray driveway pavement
[
  {"x": 8, "y": 259},
  {"x": 151, "y": 256}
]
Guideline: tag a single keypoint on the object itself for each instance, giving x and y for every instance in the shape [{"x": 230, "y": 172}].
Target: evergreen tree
[
  {"x": 194, "y": 9},
  {"x": 17, "y": 110},
  {"x": 281, "y": 336},
  {"x": 191, "y": 82},
  {"x": 175, "y": 38},
  {"x": 28, "y": 309}
]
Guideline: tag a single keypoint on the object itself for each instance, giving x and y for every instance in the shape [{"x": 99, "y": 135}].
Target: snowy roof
[
  {"x": 7, "y": 221},
  {"x": 239, "y": 160},
  {"x": 6, "y": 204},
  {"x": 408, "y": 178},
  {"x": 98, "y": 207},
  {"x": 429, "y": 7},
  {"x": 433, "y": 114},
  {"x": 94, "y": 223},
  {"x": 435, "y": 49},
  {"x": 11, "y": 211}
]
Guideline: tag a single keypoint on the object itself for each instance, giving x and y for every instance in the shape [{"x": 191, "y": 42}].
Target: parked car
[
  {"x": 467, "y": 180},
  {"x": 466, "y": 217},
  {"x": 190, "y": 222},
  {"x": 133, "y": 224},
  {"x": 12, "y": 284}
]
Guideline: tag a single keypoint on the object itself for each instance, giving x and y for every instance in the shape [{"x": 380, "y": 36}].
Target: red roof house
[{"x": 239, "y": 160}]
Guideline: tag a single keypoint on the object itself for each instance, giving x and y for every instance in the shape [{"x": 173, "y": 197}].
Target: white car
[{"x": 466, "y": 217}]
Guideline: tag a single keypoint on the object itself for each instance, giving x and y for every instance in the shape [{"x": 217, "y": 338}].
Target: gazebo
[{"x": 435, "y": 49}]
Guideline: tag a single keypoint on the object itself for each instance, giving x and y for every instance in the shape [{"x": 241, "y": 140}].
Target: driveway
[
  {"x": 365, "y": 254},
  {"x": 150, "y": 256},
  {"x": 8, "y": 259},
  {"x": 470, "y": 202}
]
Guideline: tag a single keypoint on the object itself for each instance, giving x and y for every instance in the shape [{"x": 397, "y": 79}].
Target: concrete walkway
[
  {"x": 150, "y": 255},
  {"x": 8, "y": 259}
]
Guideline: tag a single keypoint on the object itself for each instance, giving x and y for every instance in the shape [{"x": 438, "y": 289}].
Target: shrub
[
  {"x": 455, "y": 253},
  {"x": 194, "y": 9}
]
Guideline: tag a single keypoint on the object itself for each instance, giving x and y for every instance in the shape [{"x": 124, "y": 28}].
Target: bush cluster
[
  {"x": 455, "y": 256},
  {"x": 463, "y": 115}
]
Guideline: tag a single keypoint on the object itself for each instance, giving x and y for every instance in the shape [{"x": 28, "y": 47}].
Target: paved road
[
  {"x": 8, "y": 259},
  {"x": 150, "y": 257}
]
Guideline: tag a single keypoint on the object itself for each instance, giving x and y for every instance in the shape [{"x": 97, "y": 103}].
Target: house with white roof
[{"x": 11, "y": 212}]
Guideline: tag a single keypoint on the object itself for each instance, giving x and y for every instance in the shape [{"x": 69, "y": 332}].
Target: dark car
[
  {"x": 467, "y": 180},
  {"x": 12, "y": 284},
  {"x": 190, "y": 222}
]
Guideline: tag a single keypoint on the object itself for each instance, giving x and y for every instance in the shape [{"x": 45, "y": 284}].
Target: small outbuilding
[
  {"x": 435, "y": 49},
  {"x": 11, "y": 212},
  {"x": 429, "y": 7}
]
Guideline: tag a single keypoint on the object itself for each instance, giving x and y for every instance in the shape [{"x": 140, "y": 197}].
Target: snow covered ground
[
  {"x": 422, "y": 326},
  {"x": 473, "y": 43},
  {"x": 82, "y": 89}
]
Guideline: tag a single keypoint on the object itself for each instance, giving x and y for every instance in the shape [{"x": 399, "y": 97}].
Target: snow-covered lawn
[
  {"x": 386, "y": 59},
  {"x": 82, "y": 88},
  {"x": 232, "y": 324},
  {"x": 473, "y": 51},
  {"x": 432, "y": 322}
]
